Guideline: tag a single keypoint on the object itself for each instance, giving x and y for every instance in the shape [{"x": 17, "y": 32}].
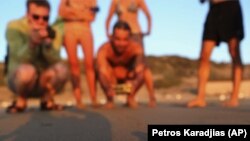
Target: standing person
[
  {"x": 128, "y": 11},
  {"x": 78, "y": 16},
  {"x": 34, "y": 59},
  {"x": 122, "y": 61},
  {"x": 224, "y": 24}
]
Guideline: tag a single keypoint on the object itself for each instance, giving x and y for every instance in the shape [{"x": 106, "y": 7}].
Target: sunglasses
[{"x": 37, "y": 17}]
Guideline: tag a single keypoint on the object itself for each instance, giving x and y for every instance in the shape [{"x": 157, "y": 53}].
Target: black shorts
[{"x": 224, "y": 22}]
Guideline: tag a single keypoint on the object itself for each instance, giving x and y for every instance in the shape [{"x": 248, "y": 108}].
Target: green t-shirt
[{"x": 41, "y": 57}]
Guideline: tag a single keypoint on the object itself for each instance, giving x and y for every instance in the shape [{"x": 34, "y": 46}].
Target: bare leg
[
  {"x": 107, "y": 81},
  {"x": 148, "y": 78},
  {"x": 45, "y": 81},
  {"x": 88, "y": 50},
  {"x": 203, "y": 74},
  {"x": 136, "y": 85},
  {"x": 21, "y": 83},
  {"x": 150, "y": 86},
  {"x": 48, "y": 82},
  {"x": 71, "y": 47},
  {"x": 234, "y": 49}
]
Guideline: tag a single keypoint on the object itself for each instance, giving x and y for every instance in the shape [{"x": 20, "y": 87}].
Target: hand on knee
[
  {"x": 62, "y": 72},
  {"x": 47, "y": 77}
]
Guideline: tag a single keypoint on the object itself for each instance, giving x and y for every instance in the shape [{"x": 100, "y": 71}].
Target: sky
[{"x": 177, "y": 27}]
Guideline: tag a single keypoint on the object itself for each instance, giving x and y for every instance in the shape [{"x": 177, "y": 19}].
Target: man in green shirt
[{"x": 34, "y": 60}]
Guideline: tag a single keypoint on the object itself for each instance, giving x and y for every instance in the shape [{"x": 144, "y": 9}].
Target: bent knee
[
  {"x": 26, "y": 74},
  {"x": 104, "y": 71},
  {"x": 47, "y": 77},
  {"x": 50, "y": 73},
  {"x": 62, "y": 71}
]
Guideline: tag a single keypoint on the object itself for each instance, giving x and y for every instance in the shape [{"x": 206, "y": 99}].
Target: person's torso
[
  {"x": 36, "y": 58},
  {"x": 77, "y": 27},
  {"x": 127, "y": 10},
  {"x": 126, "y": 58},
  {"x": 84, "y": 8}
]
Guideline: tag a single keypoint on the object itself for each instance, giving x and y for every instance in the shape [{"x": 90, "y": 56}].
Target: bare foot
[
  {"x": 152, "y": 104},
  {"x": 109, "y": 105},
  {"x": 132, "y": 103},
  {"x": 231, "y": 103},
  {"x": 50, "y": 106},
  {"x": 96, "y": 104},
  {"x": 197, "y": 103},
  {"x": 80, "y": 106}
]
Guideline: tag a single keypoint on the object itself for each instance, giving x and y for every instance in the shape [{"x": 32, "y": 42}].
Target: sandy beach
[{"x": 216, "y": 90}]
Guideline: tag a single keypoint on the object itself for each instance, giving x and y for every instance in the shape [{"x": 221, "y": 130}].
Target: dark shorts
[
  {"x": 224, "y": 22},
  {"x": 60, "y": 78}
]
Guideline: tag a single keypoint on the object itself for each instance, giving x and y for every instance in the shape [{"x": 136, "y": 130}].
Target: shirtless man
[
  {"x": 127, "y": 10},
  {"x": 224, "y": 23},
  {"x": 121, "y": 61},
  {"x": 78, "y": 16}
]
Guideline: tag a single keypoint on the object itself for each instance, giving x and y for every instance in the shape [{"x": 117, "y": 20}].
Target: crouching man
[
  {"x": 121, "y": 67},
  {"x": 33, "y": 66}
]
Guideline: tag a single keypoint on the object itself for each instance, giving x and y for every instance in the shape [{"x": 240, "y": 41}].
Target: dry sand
[{"x": 219, "y": 90}]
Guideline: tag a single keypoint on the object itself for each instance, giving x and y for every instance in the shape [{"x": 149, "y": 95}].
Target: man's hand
[{"x": 38, "y": 36}]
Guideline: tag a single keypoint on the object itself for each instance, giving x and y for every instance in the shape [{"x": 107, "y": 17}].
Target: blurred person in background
[
  {"x": 128, "y": 11},
  {"x": 121, "y": 67},
  {"x": 77, "y": 16},
  {"x": 34, "y": 66},
  {"x": 224, "y": 23}
]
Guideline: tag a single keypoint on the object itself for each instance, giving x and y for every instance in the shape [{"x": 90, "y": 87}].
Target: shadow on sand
[{"x": 69, "y": 125}]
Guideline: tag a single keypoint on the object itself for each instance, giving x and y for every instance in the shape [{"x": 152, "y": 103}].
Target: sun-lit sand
[{"x": 218, "y": 90}]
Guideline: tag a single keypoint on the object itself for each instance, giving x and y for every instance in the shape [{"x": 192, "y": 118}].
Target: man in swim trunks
[
  {"x": 127, "y": 11},
  {"x": 121, "y": 61}
]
